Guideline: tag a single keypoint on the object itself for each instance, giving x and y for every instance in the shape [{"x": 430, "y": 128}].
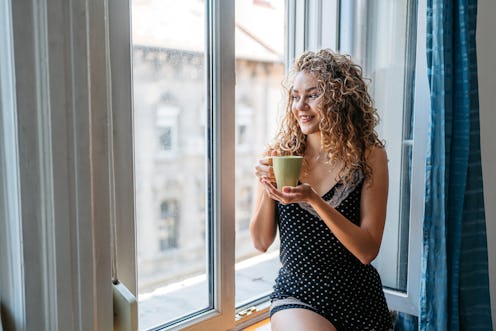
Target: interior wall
[{"x": 486, "y": 55}]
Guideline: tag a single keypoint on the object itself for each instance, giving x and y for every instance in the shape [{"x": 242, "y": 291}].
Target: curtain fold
[{"x": 455, "y": 281}]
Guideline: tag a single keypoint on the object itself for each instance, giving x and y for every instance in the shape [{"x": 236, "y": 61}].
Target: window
[
  {"x": 379, "y": 40},
  {"x": 168, "y": 209},
  {"x": 382, "y": 37},
  {"x": 245, "y": 119},
  {"x": 165, "y": 138},
  {"x": 174, "y": 96},
  {"x": 69, "y": 173},
  {"x": 168, "y": 225},
  {"x": 242, "y": 134},
  {"x": 167, "y": 120},
  {"x": 178, "y": 61},
  {"x": 379, "y": 36},
  {"x": 259, "y": 49},
  {"x": 168, "y": 69}
]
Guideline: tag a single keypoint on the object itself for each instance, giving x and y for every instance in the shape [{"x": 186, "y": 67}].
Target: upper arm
[{"x": 374, "y": 196}]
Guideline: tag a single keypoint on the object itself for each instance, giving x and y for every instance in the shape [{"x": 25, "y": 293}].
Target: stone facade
[{"x": 170, "y": 118}]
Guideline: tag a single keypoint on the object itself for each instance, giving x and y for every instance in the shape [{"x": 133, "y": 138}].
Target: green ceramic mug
[{"x": 287, "y": 170}]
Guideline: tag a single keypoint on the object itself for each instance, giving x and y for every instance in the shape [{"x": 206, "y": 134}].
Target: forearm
[
  {"x": 262, "y": 224},
  {"x": 357, "y": 240}
]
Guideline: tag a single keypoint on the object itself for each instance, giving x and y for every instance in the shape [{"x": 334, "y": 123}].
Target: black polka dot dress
[{"x": 320, "y": 274}]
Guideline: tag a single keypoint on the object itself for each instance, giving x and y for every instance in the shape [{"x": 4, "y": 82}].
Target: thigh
[{"x": 299, "y": 319}]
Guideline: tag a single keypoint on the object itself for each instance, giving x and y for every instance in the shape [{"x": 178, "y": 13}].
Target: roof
[{"x": 180, "y": 25}]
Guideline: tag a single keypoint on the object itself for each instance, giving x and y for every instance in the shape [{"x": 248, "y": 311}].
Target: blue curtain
[{"x": 455, "y": 281}]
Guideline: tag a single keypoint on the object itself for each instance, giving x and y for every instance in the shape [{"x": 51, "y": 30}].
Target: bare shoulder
[
  {"x": 377, "y": 160},
  {"x": 376, "y": 156}
]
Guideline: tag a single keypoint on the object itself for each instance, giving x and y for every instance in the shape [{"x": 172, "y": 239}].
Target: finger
[
  {"x": 259, "y": 174},
  {"x": 262, "y": 170},
  {"x": 288, "y": 189},
  {"x": 265, "y": 161},
  {"x": 269, "y": 192},
  {"x": 265, "y": 172},
  {"x": 269, "y": 186},
  {"x": 295, "y": 193},
  {"x": 279, "y": 196},
  {"x": 264, "y": 167}
]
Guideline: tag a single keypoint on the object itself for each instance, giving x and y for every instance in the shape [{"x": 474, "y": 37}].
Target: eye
[
  {"x": 313, "y": 96},
  {"x": 294, "y": 97}
]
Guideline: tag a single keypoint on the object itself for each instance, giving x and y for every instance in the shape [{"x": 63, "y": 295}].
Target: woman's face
[{"x": 305, "y": 101}]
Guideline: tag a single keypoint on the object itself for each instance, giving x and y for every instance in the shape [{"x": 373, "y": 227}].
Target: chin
[{"x": 309, "y": 130}]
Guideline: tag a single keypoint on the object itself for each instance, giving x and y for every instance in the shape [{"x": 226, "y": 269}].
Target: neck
[{"x": 313, "y": 145}]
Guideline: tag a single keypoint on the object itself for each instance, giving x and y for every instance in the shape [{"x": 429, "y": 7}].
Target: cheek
[{"x": 318, "y": 116}]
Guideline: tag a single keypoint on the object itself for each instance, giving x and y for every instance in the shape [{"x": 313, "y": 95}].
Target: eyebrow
[{"x": 307, "y": 90}]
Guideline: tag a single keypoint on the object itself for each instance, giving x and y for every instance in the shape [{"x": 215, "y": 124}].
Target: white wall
[{"x": 486, "y": 55}]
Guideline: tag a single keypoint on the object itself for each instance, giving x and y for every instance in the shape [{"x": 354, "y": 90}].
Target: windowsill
[
  {"x": 260, "y": 326},
  {"x": 254, "y": 278}
]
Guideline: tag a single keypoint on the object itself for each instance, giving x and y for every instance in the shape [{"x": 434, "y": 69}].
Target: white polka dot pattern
[{"x": 320, "y": 272}]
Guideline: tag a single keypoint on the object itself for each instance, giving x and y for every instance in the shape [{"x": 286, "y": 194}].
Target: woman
[{"x": 331, "y": 224}]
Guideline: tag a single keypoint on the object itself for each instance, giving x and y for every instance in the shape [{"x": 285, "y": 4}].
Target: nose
[{"x": 301, "y": 103}]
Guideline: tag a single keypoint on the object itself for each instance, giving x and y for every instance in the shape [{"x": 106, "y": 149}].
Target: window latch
[{"x": 245, "y": 312}]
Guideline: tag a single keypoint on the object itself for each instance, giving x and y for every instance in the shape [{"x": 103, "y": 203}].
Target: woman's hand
[
  {"x": 264, "y": 171},
  {"x": 290, "y": 194}
]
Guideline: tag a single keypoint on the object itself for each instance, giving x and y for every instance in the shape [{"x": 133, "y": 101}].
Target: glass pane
[
  {"x": 259, "y": 73},
  {"x": 379, "y": 43},
  {"x": 170, "y": 158}
]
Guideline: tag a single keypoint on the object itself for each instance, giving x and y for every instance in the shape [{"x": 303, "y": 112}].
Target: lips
[{"x": 306, "y": 118}]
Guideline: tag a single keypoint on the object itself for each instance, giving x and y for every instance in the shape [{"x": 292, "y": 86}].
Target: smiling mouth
[{"x": 306, "y": 118}]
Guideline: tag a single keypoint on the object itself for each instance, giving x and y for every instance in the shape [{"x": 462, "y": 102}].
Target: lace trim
[
  {"x": 341, "y": 192},
  {"x": 289, "y": 301}
]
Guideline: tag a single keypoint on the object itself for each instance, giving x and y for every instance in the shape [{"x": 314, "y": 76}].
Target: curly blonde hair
[{"x": 348, "y": 116}]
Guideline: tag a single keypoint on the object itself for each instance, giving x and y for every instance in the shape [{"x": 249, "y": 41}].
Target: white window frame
[
  {"x": 409, "y": 301},
  {"x": 11, "y": 271},
  {"x": 220, "y": 175},
  {"x": 311, "y": 24}
]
